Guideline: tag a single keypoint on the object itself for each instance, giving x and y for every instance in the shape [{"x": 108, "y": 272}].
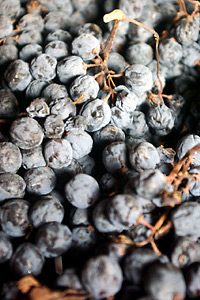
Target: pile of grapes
[{"x": 99, "y": 149}]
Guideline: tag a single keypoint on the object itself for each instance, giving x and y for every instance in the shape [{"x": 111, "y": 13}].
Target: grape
[
  {"x": 144, "y": 156},
  {"x": 33, "y": 158},
  {"x": 31, "y": 22},
  {"x": 97, "y": 114},
  {"x": 5, "y": 26},
  {"x": 60, "y": 35},
  {"x": 53, "y": 239},
  {"x": 82, "y": 190},
  {"x": 64, "y": 107},
  {"x": 14, "y": 217},
  {"x": 26, "y": 133},
  {"x": 187, "y": 31},
  {"x": 70, "y": 67},
  {"x": 81, "y": 143},
  {"x": 38, "y": 108},
  {"x": 185, "y": 219},
  {"x": 54, "y": 91},
  {"x": 54, "y": 126},
  {"x": 138, "y": 78},
  {"x": 132, "y": 9},
  {"x": 27, "y": 260},
  {"x": 114, "y": 156},
  {"x": 28, "y": 52},
  {"x": 10, "y": 158},
  {"x": 85, "y": 85},
  {"x": 29, "y": 37},
  {"x": 84, "y": 44},
  {"x": 40, "y": 181},
  {"x": 55, "y": 20},
  {"x": 58, "y": 153},
  {"x": 170, "y": 52},
  {"x": 10, "y": 8},
  {"x": 11, "y": 186},
  {"x": 185, "y": 252},
  {"x": 102, "y": 276},
  {"x": 35, "y": 87},
  {"x": 17, "y": 75},
  {"x": 57, "y": 49},
  {"x": 46, "y": 210},
  {"x": 164, "y": 281},
  {"x": 8, "y": 53},
  {"x": 43, "y": 67},
  {"x": 6, "y": 249},
  {"x": 69, "y": 279},
  {"x": 139, "y": 53}
]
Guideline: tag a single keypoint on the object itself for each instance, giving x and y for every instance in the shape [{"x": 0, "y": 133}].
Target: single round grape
[
  {"x": 82, "y": 190},
  {"x": 11, "y": 186},
  {"x": 97, "y": 114},
  {"x": 114, "y": 156},
  {"x": 40, "y": 181},
  {"x": 46, "y": 210},
  {"x": 70, "y": 67},
  {"x": 138, "y": 78},
  {"x": 144, "y": 156},
  {"x": 102, "y": 276},
  {"x": 14, "y": 217},
  {"x": 26, "y": 133},
  {"x": 8, "y": 104},
  {"x": 54, "y": 126},
  {"x": 84, "y": 46},
  {"x": 43, "y": 67},
  {"x": 58, "y": 153},
  {"x": 53, "y": 239},
  {"x": 86, "y": 85},
  {"x": 27, "y": 260},
  {"x": 10, "y": 158},
  {"x": 81, "y": 143},
  {"x": 17, "y": 75}
]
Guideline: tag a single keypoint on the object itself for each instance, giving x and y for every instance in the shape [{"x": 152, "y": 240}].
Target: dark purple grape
[
  {"x": 26, "y": 133},
  {"x": 40, "y": 181},
  {"x": 53, "y": 239},
  {"x": 6, "y": 249},
  {"x": 102, "y": 277},
  {"x": 82, "y": 190},
  {"x": 164, "y": 281},
  {"x": 46, "y": 210},
  {"x": 14, "y": 217},
  {"x": 27, "y": 260}
]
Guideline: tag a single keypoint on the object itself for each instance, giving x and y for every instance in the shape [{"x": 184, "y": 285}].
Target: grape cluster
[{"x": 99, "y": 149}]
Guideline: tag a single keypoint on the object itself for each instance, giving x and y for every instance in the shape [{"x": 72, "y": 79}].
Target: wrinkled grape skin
[
  {"x": 26, "y": 133},
  {"x": 58, "y": 153},
  {"x": 186, "y": 219},
  {"x": 114, "y": 156},
  {"x": 185, "y": 252}
]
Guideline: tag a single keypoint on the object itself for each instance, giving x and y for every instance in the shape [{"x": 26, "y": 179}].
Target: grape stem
[{"x": 117, "y": 15}]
